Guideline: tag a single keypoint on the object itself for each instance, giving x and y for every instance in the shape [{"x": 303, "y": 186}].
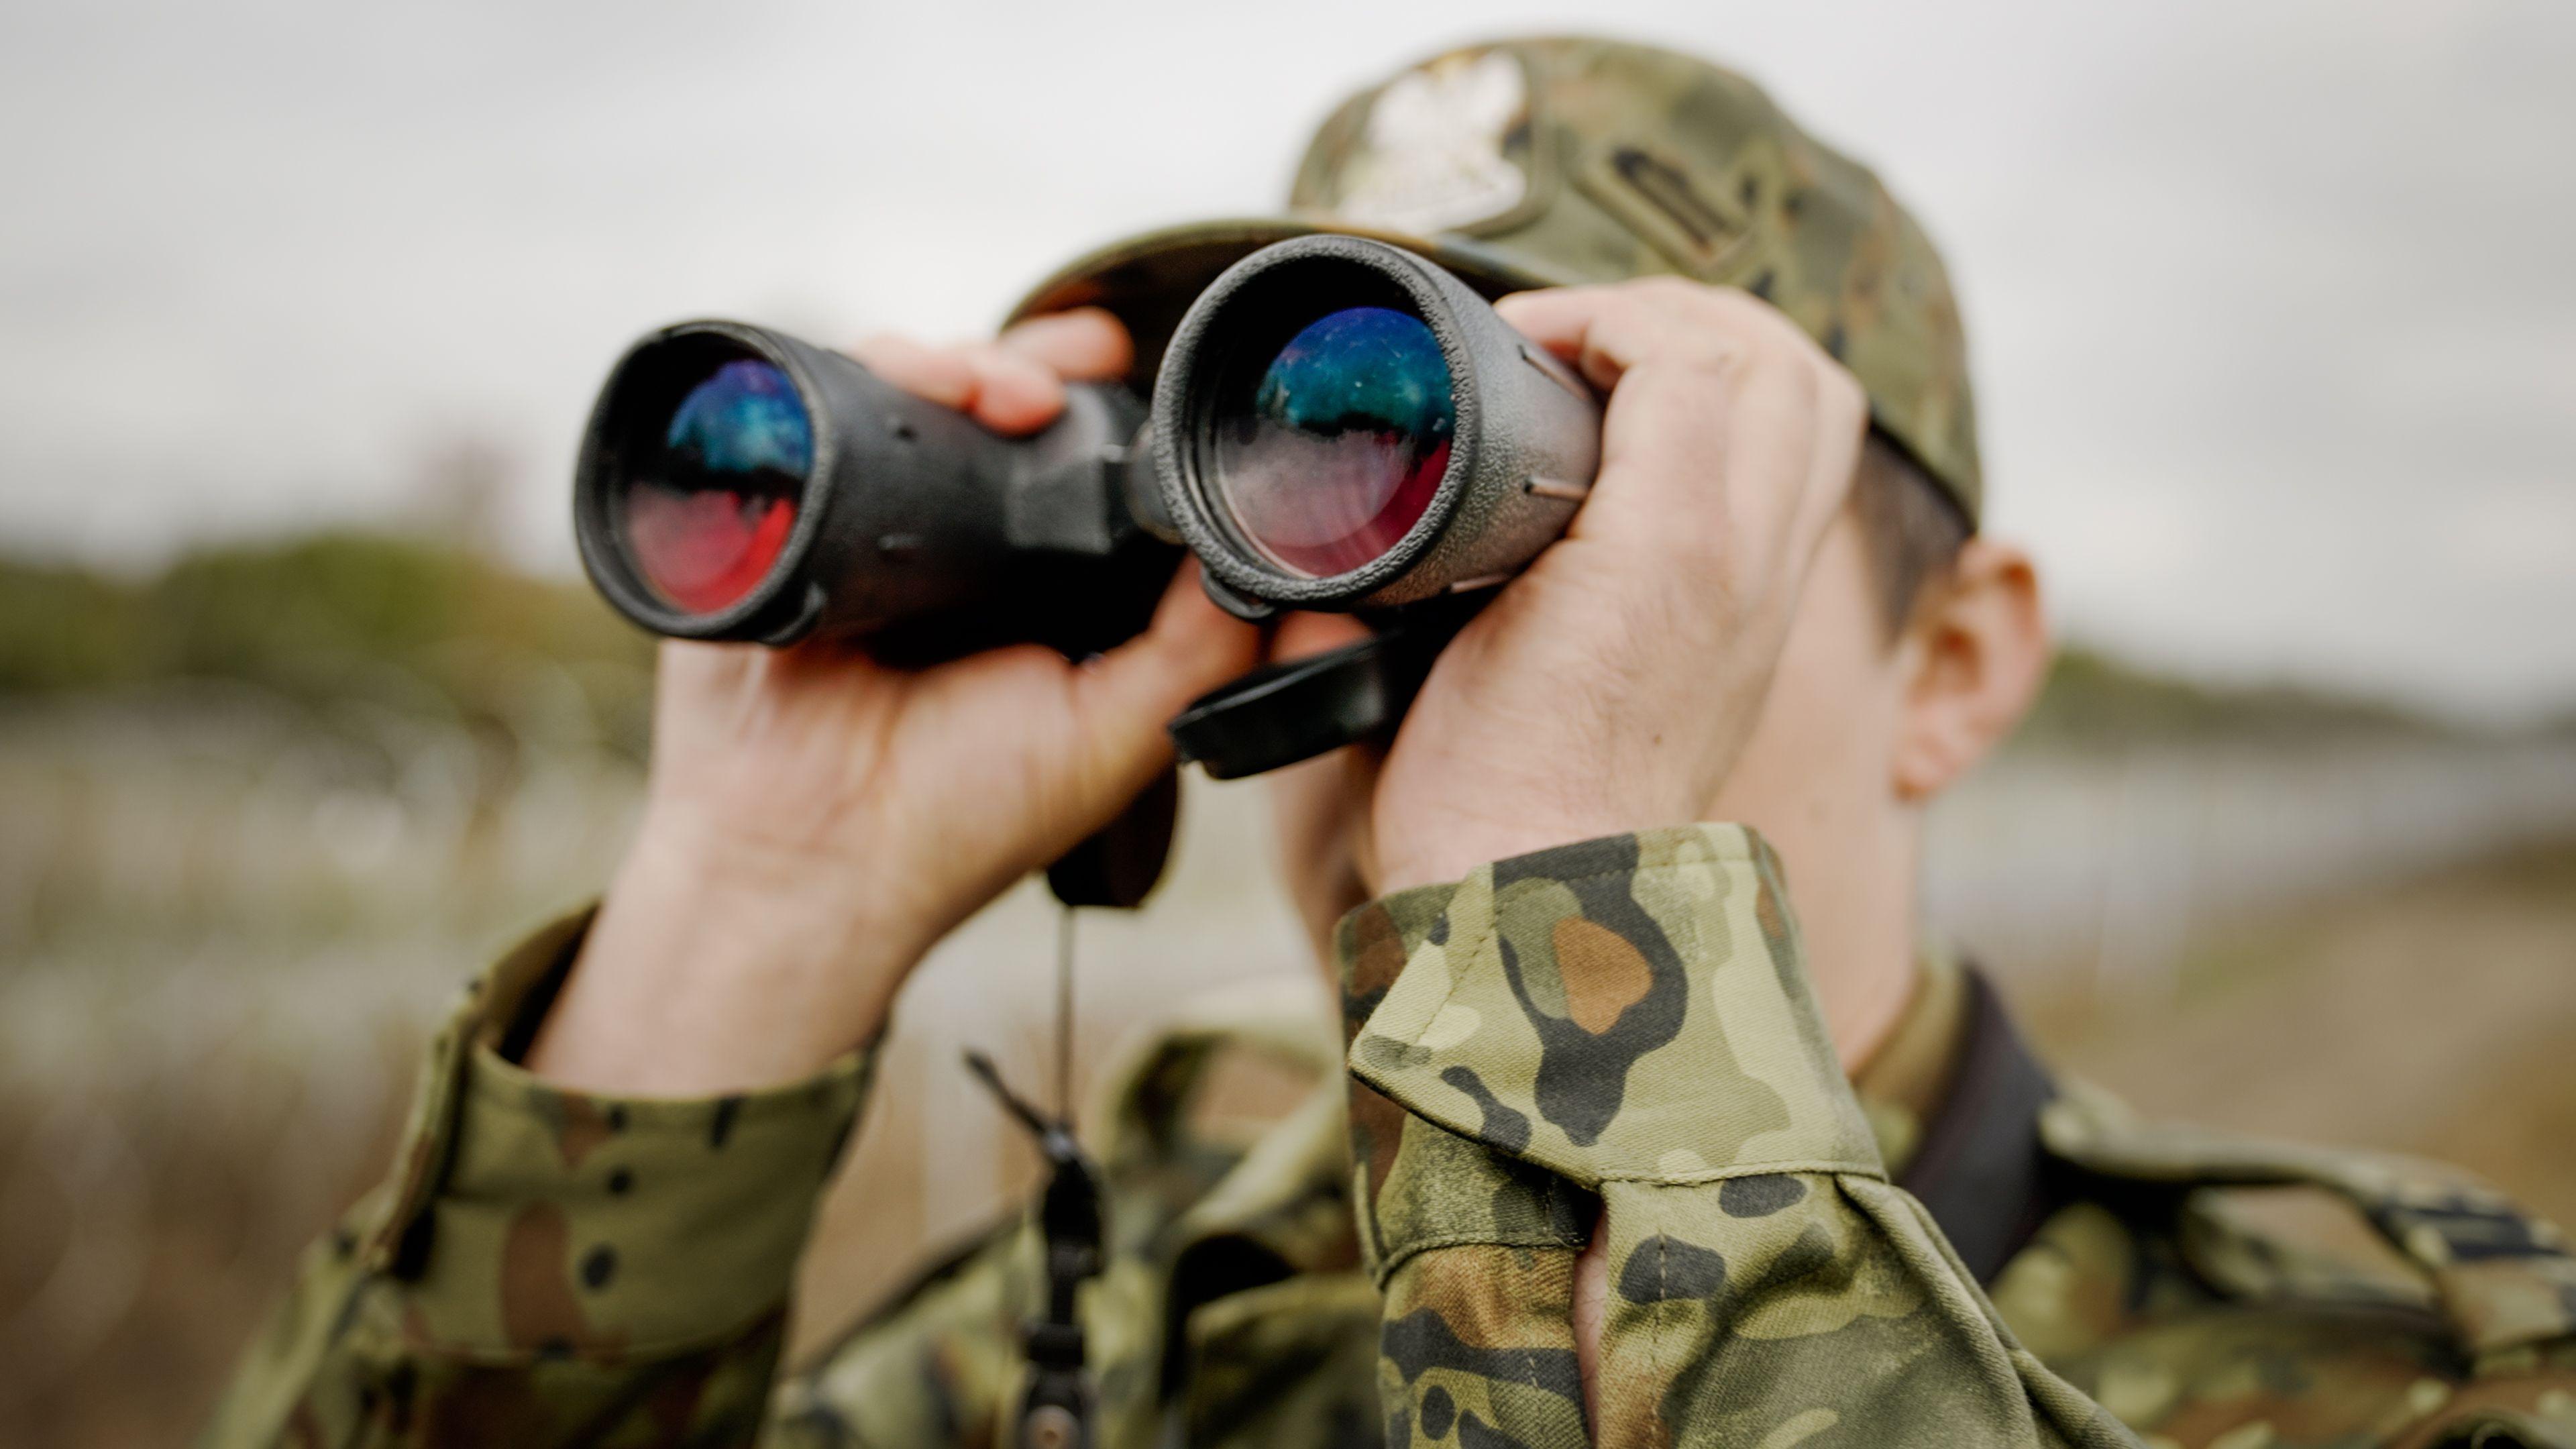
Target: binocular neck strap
[{"x": 1055, "y": 1413}]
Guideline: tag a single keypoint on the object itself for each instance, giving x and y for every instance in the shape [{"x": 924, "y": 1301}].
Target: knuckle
[
  {"x": 1663, "y": 286},
  {"x": 1843, "y": 387}
]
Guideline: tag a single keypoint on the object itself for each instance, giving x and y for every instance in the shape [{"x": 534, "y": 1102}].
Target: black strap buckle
[{"x": 1055, "y": 1413}]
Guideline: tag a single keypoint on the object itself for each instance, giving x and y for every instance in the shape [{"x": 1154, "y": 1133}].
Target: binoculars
[{"x": 1337, "y": 424}]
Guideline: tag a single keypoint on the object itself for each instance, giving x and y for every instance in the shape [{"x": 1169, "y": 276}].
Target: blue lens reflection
[
  {"x": 706, "y": 518},
  {"x": 1343, "y": 443},
  {"x": 744, "y": 418}
]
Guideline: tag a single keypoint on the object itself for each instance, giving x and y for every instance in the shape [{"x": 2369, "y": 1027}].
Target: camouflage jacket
[{"x": 1617, "y": 1034}]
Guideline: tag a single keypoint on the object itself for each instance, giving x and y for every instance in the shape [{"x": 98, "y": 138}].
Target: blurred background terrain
[
  {"x": 268, "y": 808},
  {"x": 304, "y": 714}
]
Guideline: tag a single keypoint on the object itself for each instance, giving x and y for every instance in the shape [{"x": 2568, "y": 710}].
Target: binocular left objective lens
[{"x": 707, "y": 509}]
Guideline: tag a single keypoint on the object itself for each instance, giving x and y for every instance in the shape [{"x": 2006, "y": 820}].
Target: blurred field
[
  {"x": 2434, "y": 1016},
  {"x": 260, "y": 816}
]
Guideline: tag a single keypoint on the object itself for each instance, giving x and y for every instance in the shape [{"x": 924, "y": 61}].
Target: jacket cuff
[
  {"x": 1634, "y": 1008},
  {"x": 529, "y": 1219}
]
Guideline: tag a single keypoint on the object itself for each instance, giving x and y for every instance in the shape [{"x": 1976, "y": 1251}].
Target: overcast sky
[{"x": 2271, "y": 303}]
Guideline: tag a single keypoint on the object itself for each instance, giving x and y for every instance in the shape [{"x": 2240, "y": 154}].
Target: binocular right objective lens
[{"x": 1328, "y": 455}]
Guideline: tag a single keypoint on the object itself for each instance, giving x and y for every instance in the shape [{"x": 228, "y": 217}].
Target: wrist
[
  {"x": 717, "y": 965},
  {"x": 1456, "y": 848}
]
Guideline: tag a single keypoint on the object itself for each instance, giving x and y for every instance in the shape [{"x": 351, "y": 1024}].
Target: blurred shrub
[
  {"x": 2093, "y": 700},
  {"x": 328, "y": 621}
]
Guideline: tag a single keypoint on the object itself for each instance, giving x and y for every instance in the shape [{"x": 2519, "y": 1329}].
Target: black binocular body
[
  {"x": 1337, "y": 424},
  {"x": 740, "y": 484}
]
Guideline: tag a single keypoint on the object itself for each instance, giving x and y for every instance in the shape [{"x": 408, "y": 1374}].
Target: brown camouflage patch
[
  {"x": 581, "y": 1129},
  {"x": 1603, "y": 975},
  {"x": 538, "y": 1308},
  {"x": 1375, "y": 950},
  {"x": 1770, "y": 902},
  {"x": 1461, "y": 1290},
  {"x": 1377, "y": 1137}
]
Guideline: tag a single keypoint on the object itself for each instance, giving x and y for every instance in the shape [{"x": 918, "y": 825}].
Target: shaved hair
[{"x": 1910, "y": 526}]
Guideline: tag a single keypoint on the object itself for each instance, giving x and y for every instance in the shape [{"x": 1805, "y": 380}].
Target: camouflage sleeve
[
  {"x": 547, "y": 1267},
  {"x": 1628, "y": 1023}
]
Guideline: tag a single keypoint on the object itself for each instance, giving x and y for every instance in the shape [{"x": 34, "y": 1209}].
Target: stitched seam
[
  {"x": 1663, "y": 1296},
  {"x": 1463, "y": 1240},
  {"x": 1820, "y": 1167}
]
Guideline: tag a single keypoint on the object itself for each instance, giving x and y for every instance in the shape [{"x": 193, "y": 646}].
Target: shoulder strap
[
  {"x": 1144, "y": 1093},
  {"x": 2501, "y": 1277}
]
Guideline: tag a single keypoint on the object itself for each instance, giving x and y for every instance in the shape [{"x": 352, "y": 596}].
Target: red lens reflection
[
  {"x": 1342, "y": 444},
  {"x": 705, "y": 550},
  {"x": 705, "y": 515}
]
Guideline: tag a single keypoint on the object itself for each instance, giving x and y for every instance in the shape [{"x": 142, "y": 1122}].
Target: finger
[
  {"x": 1304, "y": 635},
  {"x": 936, "y": 374},
  {"x": 1844, "y": 406},
  {"x": 1003, "y": 390},
  {"x": 1086, "y": 344},
  {"x": 1699, "y": 467},
  {"x": 688, "y": 667},
  {"x": 1591, "y": 1312},
  {"x": 1013, "y": 394},
  {"x": 1561, "y": 320},
  {"x": 1605, "y": 331},
  {"x": 1125, "y": 696}
]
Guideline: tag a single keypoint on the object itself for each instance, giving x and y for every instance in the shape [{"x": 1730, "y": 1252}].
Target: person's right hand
[
  {"x": 815, "y": 821},
  {"x": 1613, "y": 685}
]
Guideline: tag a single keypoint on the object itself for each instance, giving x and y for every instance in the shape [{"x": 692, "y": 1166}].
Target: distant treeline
[
  {"x": 326, "y": 621},
  {"x": 408, "y": 623}
]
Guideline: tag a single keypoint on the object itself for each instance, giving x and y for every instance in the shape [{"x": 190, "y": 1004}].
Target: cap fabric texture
[{"x": 1545, "y": 162}]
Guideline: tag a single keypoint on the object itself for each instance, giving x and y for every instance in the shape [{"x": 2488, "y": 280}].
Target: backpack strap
[{"x": 2500, "y": 1277}]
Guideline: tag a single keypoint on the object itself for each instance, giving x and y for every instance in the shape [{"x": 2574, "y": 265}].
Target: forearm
[
  {"x": 1625, "y": 1027},
  {"x": 549, "y": 1266}
]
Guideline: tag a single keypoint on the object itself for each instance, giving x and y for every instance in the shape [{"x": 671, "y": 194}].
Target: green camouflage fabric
[
  {"x": 546, "y": 1267},
  {"x": 1547, "y": 161},
  {"x": 1627, "y": 1022},
  {"x": 1629, "y": 1018},
  {"x": 1619, "y": 1033}
]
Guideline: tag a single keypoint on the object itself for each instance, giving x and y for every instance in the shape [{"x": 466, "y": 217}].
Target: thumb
[{"x": 1123, "y": 697}]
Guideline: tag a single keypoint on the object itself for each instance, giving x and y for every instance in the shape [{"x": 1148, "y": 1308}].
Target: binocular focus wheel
[{"x": 1283, "y": 713}]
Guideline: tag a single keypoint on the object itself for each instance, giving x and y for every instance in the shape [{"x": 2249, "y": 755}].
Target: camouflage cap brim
[{"x": 1147, "y": 281}]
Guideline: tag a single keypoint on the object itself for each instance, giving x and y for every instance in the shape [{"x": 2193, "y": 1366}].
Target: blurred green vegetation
[
  {"x": 338, "y": 617},
  {"x": 2092, "y": 698},
  {"x": 326, "y": 621}
]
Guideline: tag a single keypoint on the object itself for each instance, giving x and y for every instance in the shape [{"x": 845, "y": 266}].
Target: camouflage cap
[{"x": 1544, "y": 162}]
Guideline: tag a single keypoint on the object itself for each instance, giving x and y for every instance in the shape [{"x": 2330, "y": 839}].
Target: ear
[{"x": 1976, "y": 653}]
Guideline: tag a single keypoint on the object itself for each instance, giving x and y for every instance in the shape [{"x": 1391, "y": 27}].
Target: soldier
[{"x": 1628, "y": 1151}]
